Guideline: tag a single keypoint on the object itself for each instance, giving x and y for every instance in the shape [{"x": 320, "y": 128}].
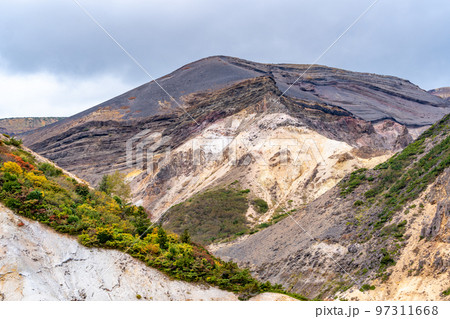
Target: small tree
[
  {"x": 115, "y": 185},
  {"x": 162, "y": 238},
  {"x": 186, "y": 237}
]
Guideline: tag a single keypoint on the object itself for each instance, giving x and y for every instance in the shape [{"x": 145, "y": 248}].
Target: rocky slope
[
  {"x": 19, "y": 125},
  {"x": 38, "y": 264},
  {"x": 443, "y": 93},
  {"x": 335, "y": 120},
  {"x": 384, "y": 230}
]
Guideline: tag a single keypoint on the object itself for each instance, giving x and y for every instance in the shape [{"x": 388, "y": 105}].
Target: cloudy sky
[{"x": 55, "y": 61}]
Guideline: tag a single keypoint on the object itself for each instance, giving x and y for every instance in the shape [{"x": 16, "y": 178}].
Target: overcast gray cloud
[{"x": 54, "y": 57}]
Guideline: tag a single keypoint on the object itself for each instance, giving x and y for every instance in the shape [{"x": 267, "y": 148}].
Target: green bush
[
  {"x": 446, "y": 292},
  {"x": 367, "y": 287},
  {"x": 49, "y": 170},
  {"x": 358, "y": 203},
  {"x": 260, "y": 205},
  {"x": 35, "y": 195},
  {"x": 14, "y": 142},
  {"x": 355, "y": 179}
]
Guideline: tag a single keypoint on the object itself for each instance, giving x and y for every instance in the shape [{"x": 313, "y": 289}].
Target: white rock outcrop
[{"x": 37, "y": 263}]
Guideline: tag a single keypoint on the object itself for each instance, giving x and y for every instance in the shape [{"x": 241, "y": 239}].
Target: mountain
[
  {"x": 383, "y": 231},
  {"x": 442, "y": 93},
  {"x": 231, "y": 121},
  {"x": 81, "y": 244},
  {"x": 19, "y": 125}
]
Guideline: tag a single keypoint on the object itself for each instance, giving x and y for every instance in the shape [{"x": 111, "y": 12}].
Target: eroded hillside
[
  {"x": 384, "y": 231},
  {"x": 238, "y": 124},
  {"x": 35, "y": 188}
]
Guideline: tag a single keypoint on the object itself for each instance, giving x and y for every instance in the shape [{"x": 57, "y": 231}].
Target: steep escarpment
[
  {"x": 34, "y": 188},
  {"x": 382, "y": 231},
  {"x": 39, "y": 264},
  {"x": 233, "y": 119}
]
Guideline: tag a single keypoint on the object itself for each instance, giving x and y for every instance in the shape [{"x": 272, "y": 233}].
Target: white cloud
[{"x": 45, "y": 94}]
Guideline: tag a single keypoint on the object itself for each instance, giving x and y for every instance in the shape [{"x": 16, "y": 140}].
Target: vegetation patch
[
  {"x": 355, "y": 179},
  {"x": 260, "y": 205},
  {"x": 210, "y": 216},
  {"x": 367, "y": 287},
  {"x": 390, "y": 188},
  {"x": 446, "y": 292},
  {"x": 44, "y": 194}
]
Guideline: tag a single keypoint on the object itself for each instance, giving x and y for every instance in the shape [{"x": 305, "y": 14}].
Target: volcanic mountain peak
[
  {"x": 372, "y": 115},
  {"x": 369, "y": 96}
]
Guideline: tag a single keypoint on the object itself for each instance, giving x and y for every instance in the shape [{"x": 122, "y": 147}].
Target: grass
[{"x": 210, "y": 216}]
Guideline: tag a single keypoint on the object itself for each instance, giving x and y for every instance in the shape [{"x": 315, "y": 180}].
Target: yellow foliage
[
  {"x": 172, "y": 237},
  {"x": 184, "y": 248},
  {"x": 152, "y": 249},
  {"x": 12, "y": 167},
  {"x": 37, "y": 180}
]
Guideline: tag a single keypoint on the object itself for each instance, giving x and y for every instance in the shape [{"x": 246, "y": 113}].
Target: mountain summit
[{"x": 343, "y": 119}]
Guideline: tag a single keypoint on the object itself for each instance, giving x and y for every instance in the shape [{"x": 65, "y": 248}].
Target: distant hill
[
  {"x": 441, "y": 92},
  {"x": 19, "y": 125}
]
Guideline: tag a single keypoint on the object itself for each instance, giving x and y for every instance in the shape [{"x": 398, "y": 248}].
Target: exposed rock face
[
  {"x": 38, "y": 264},
  {"x": 332, "y": 243},
  {"x": 442, "y": 93},
  {"x": 14, "y": 126},
  {"x": 234, "y": 109}
]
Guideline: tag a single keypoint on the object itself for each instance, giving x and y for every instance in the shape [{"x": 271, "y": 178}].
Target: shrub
[
  {"x": 35, "y": 195},
  {"x": 355, "y": 179},
  {"x": 162, "y": 238},
  {"x": 260, "y": 205},
  {"x": 104, "y": 235},
  {"x": 12, "y": 187},
  {"x": 358, "y": 203},
  {"x": 367, "y": 287},
  {"x": 185, "y": 237},
  {"x": 115, "y": 184},
  {"x": 12, "y": 203},
  {"x": 14, "y": 142},
  {"x": 82, "y": 190},
  {"x": 50, "y": 170},
  {"x": 36, "y": 180},
  {"x": 12, "y": 167}
]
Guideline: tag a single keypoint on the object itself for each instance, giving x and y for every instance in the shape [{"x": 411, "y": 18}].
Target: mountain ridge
[
  {"x": 356, "y": 233},
  {"x": 220, "y": 91}
]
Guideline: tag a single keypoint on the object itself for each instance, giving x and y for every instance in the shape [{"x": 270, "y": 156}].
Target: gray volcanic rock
[
  {"x": 369, "y": 96},
  {"x": 376, "y": 114},
  {"x": 442, "y": 93}
]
